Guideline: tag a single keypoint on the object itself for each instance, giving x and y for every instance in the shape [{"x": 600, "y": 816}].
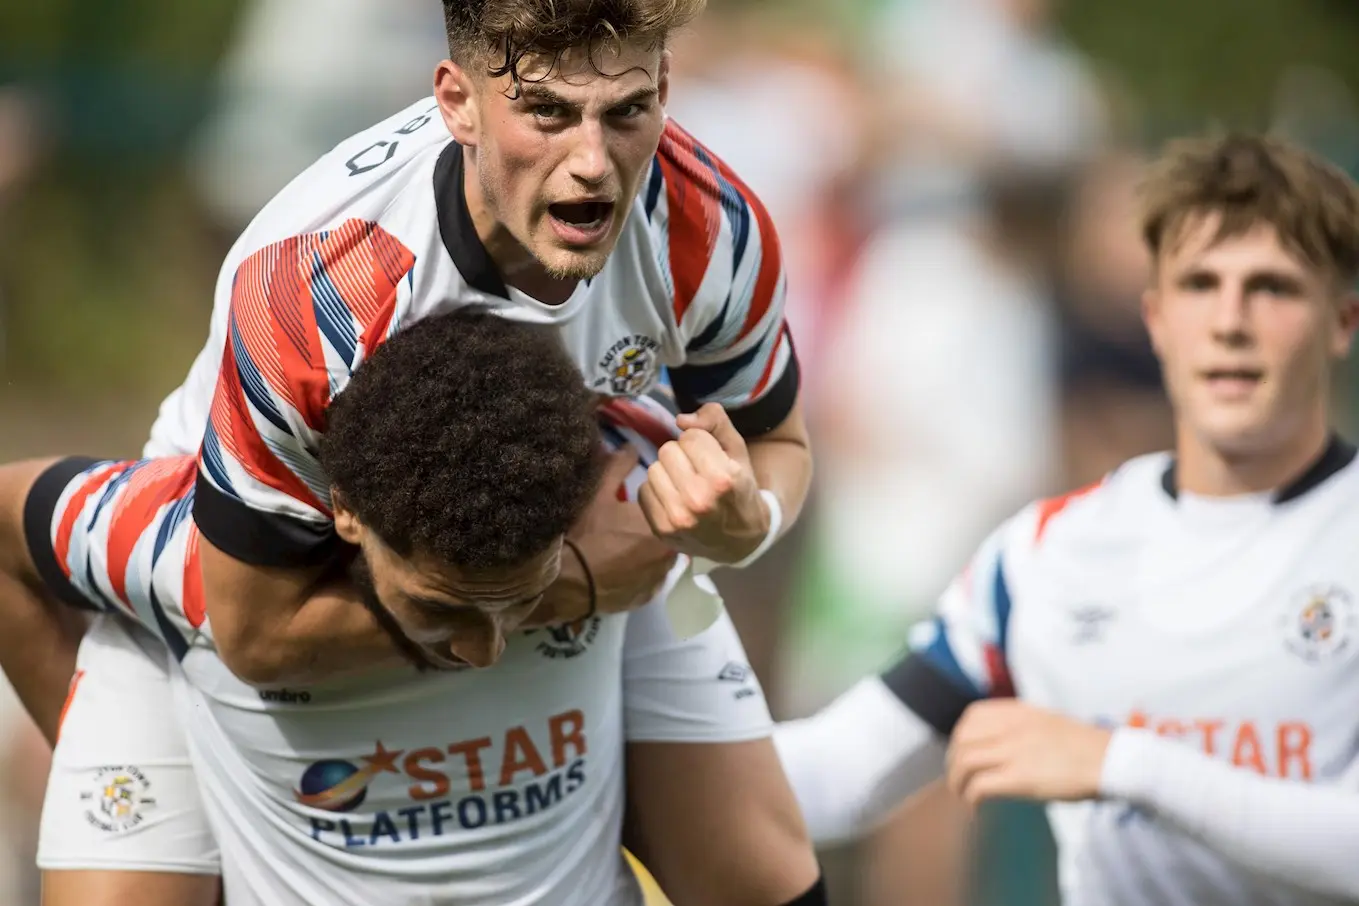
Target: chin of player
[
  {"x": 1239, "y": 428},
  {"x": 567, "y": 261}
]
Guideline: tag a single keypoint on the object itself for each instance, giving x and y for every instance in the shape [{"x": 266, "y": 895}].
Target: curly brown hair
[
  {"x": 501, "y": 33},
  {"x": 1249, "y": 180},
  {"x": 465, "y": 437}
]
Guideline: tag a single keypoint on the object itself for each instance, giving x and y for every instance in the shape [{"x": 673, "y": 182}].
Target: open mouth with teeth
[{"x": 583, "y": 215}]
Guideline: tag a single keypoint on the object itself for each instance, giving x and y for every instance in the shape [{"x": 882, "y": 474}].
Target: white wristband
[{"x": 775, "y": 523}]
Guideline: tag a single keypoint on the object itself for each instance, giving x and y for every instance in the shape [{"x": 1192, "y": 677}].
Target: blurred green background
[{"x": 109, "y": 224}]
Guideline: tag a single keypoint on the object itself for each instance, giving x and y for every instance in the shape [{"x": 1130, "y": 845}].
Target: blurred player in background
[
  {"x": 526, "y": 803},
  {"x": 1169, "y": 657}
]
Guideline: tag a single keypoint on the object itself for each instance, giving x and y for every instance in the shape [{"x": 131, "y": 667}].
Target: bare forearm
[
  {"x": 782, "y": 461},
  {"x": 277, "y": 626},
  {"x": 38, "y": 650},
  {"x": 332, "y": 634},
  {"x": 38, "y": 647},
  {"x": 716, "y": 823},
  {"x": 1296, "y": 832}
]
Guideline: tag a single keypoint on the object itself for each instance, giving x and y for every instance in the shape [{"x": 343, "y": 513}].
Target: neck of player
[
  {"x": 1209, "y": 471},
  {"x": 516, "y": 264}
]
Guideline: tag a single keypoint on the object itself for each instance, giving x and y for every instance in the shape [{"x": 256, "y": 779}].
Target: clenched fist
[{"x": 701, "y": 495}]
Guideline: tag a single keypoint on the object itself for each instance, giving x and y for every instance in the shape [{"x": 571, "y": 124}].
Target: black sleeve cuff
[
  {"x": 934, "y": 698},
  {"x": 815, "y": 896},
  {"x": 40, "y": 508},
  {"x": 761, "y": 416},
  {"x": 258, "y": 538}
]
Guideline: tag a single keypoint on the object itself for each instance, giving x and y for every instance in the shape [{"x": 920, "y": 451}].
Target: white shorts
[{"x": 122, "y": 795}]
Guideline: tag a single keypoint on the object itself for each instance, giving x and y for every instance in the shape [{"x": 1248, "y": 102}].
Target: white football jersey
[
  {"x": 502, "y": 786},
  {"x": 1230, "y": 624},
  {"x": 377, "y": 235}
]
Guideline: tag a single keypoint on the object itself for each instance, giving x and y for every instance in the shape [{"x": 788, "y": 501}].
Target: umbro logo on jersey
[
  {"x": 1089, "y": 624},
  {"x": 734, "y": 673},
  {"x": 285, "y": 697},
  {"x": 740, "y": 675}
]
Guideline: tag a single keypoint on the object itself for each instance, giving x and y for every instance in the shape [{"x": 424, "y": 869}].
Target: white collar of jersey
[
  {"x": 459, "y": 235},
  {"x": 1338, "y": 454}
]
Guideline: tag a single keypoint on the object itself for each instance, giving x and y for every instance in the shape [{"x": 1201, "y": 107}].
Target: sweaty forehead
[{"x": 602, "y": 68}]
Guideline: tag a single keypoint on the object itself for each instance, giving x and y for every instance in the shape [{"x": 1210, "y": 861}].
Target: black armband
[{"x": 39, "y": 510}]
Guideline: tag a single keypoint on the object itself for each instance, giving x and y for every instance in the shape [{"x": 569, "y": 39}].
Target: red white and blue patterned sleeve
[
  {"x": 961, "y": 654},
  {"x": 304, "y": 313},
  {"x": 727, "y": 282},
  {"x": 117, "y": 537}
]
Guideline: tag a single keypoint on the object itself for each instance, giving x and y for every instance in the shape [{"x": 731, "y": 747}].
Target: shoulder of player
[
  {"x": 1084, "y": 514},
  {"x": 690, "y": 197},
  {"x": 380, "y": 177}
]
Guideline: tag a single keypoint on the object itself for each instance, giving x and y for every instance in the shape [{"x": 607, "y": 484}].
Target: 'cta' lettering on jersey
[{"x": 501, "y": 780}]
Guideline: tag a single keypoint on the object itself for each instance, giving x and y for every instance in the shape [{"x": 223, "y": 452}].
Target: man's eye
[{"x": 549, "y": 111}]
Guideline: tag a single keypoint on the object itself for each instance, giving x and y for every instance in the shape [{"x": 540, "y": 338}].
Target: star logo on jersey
[
  {"x": 1319, "y": 623},
  {"x": 118, "y": 799},
  {"x": 419, "y": 791},
  {"x": 629, "y": 366}
]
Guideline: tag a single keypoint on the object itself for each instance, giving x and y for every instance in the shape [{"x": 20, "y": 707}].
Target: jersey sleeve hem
[
  {"x": 715, "y": 736},
  {"x": 168, "y": 866},
  {"x": 259, "y": 538},
  {"x": 927, "y": 692},
  {"x": 764, "y": 414},
  {"x": 40, "y": 509}
]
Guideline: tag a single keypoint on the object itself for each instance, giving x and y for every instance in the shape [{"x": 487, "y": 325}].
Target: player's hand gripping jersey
[
  {"x": 377, "y": 234},
  {"x": 493, "y": 786}
]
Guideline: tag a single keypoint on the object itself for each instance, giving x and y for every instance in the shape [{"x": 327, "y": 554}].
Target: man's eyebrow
[
  {"x": 435, "y": 605},
  {"x": 645, "y": 93},
  {"x": 541, "y": 94}
]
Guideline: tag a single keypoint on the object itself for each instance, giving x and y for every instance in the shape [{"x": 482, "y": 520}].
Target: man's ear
[
  {"x": 347, "y": 524},
  {"x": 663, "y": 79},
  {"x": 1347, "y": 321},
  {"x": 459, "y": 103},
  {"x": 1151, "y": 317}
]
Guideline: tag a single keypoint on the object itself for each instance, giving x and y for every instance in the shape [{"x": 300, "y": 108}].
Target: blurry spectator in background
[
  {"x": 18, "y": 155},
  {"x": 284, "y": 102},
  {"x": 946, "y": 417},
  {"x": 1113, "y": 406},
  {"x": 23, "y": 754},
  {"x": 945, "y": 381},
  {"x": 771, "y": 94},
  {"x": 946, "y": 368},
  {"x": 977, "y": 85},
  {"x": 947, "y": 328}
]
